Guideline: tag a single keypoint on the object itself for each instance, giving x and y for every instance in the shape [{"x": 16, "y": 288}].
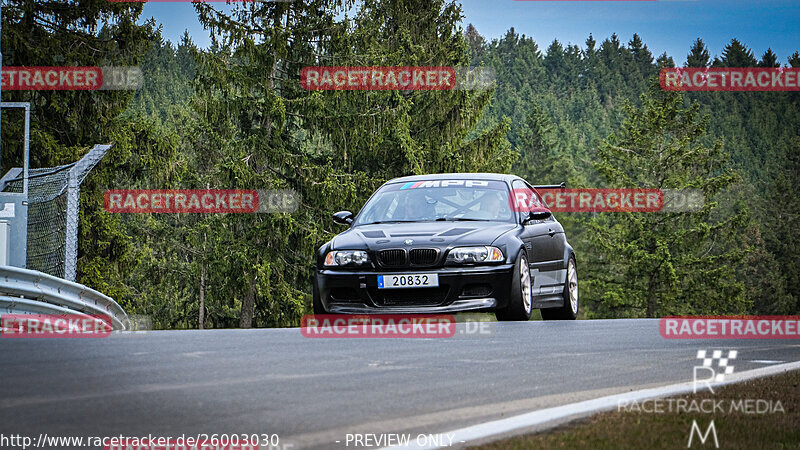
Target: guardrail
[{"x": 31, "y": 291}]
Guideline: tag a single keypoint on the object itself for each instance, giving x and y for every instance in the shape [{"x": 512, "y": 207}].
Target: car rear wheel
[
  {"x": 569, "y": 311},
  {"x": 519, "y": 304}
]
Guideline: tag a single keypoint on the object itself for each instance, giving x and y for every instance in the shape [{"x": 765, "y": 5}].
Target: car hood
[{"x": 422, "y": 234}]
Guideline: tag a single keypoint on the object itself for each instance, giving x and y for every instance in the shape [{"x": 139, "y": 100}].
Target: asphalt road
[{"x": 313, "y": 392}]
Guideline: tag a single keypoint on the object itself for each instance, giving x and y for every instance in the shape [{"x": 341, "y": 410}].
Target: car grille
[
  {"x": 423, "y": 256},
  {"x": 476, "y": 290},
  {"x": 392, "y": 258},
  {"x": 344, "y": 294},
  {"x": 410, "y": 297}
]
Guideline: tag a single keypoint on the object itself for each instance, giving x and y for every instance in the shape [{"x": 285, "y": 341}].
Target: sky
[{"x": 665, "y": 25}]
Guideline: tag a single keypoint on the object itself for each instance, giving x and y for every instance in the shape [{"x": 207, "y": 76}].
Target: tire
[
  {"x": 519, "y": 303},
  {"x": 317, "y": 302},
  {"x": 569, "y": 310}
]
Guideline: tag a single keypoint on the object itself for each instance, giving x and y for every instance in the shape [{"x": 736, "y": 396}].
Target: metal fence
[{"x": 53, "y": 203}]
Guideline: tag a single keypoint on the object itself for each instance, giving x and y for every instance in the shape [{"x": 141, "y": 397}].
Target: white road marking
[{"x": 534, "y": 418}]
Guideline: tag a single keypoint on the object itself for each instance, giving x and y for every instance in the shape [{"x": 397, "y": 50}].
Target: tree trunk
[
  {"x": 201, "y": 316},
  {"x": 651, "y": 297},
  {"x": 248, "y": 306}
]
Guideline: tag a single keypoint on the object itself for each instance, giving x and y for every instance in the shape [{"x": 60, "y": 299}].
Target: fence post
[
  {"x": 71, "y": 229},
  {"x": 76, "y": 175}
]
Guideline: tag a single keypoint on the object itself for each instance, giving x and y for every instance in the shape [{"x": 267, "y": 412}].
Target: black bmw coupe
[{"x": 448, "y": 243}]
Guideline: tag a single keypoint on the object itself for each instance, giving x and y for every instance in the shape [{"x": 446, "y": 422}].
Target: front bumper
[{"x": 477, "y": 288}]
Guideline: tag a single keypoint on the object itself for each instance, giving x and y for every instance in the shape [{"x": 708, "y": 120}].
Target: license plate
[{"x": 412, "y": 280}]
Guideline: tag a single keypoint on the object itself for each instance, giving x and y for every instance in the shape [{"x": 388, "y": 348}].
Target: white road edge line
[{"x": 496, "y": 427}]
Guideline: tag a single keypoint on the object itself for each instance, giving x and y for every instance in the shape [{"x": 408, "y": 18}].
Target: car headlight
[
  {"x": 472, "y": 255},
  {"x": 346, "y": 258}
]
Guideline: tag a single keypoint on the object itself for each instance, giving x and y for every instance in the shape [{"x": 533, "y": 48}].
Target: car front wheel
[{"x": 519, "y": 304}]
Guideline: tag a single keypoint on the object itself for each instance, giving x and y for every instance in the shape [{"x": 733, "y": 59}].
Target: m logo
[
  {"x": 702, "y": 437},
  {"x": 716, "y": 375}
]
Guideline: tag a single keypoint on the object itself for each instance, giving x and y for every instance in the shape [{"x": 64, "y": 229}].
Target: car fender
[
  {"x": 321, "y": 252},
  {"x": 510, "y": 243},
  {"x": 568, "y": 251}
]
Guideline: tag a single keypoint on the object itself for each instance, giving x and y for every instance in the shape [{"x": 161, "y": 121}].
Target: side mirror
[
  {"x": 343, "y": 217},
  {"x": 538, "y": 215}
]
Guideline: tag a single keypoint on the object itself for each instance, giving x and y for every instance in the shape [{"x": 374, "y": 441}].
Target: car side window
[
  {"x": 525, "y": 199},
  {"x": 541, "y": 204},
  {"x": 521, "y": 200}
]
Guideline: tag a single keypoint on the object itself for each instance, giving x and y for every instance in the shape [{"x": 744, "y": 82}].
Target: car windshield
[{"x": 438, "y": 200}]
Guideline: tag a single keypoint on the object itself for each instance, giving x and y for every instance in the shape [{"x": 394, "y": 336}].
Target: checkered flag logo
[{"x": 722, "y": 363}]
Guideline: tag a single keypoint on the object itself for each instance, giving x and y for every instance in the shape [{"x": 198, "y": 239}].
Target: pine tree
[
  {"x": 664, "y": 263},
  {"x": 736, "y": 54},
  {"x": 65, "y": 123},
  {"x": 415, "y": 132},
  {"x": 56, "y": 33},
  {"x": 475, "y": 41},
  {"x": 665, "y": 61},
  {"x": 590, "y": 45},
  {"x": 536, "y": 147},
  {"x": 334, "y": 147},
  {"x": 765, "y": 283},
  {"x": 794, "y": 60},
  {"x": 554, "y": 60},
  {"x": 769, "y": 59},
  {"x": 642, "y": 56},
  {"x": 698, "y": 55},
  {"x": 782, "y": 220}
]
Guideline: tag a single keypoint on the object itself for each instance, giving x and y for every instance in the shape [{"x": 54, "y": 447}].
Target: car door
[
  {"x": 555, "y": 245},
  {"x": 546, "y": 251},
  {"x": 535, "y": 232}
]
